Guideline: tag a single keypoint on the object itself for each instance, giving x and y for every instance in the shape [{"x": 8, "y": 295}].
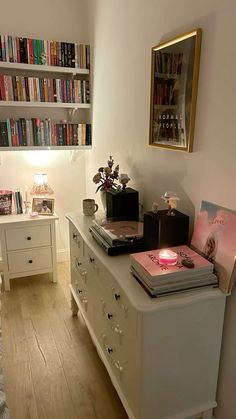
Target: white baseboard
[{"x": 62, "y": 256}]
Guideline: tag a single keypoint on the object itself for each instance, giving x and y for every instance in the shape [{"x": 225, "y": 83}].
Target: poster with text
[{"x": 215, "y": 237}]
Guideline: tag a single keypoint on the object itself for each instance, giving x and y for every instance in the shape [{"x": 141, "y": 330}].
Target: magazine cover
[
  {"x": 215, "y": 237},
  {"x": 148, "y": 263}
]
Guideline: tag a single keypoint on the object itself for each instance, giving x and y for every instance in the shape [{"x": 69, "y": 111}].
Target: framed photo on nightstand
[{"x": 44, "y": 206}]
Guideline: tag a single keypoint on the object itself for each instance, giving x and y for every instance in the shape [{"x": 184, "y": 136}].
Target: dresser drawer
[
  {"x": 76, "y": 244},
  {"x": 28, "y": 237},
  {"x": 29, "y": 260}
]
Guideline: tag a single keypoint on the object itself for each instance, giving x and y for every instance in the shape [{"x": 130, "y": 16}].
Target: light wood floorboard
[{"x": 51, "y": 367}]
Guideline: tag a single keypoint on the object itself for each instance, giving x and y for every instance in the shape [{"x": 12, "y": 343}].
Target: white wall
[
  {"x": 58, "y": 20},
  {"x": 124, "y": 32}
]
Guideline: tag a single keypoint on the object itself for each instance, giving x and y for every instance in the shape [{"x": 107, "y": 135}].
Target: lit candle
[{"x": 167, "y": 257}]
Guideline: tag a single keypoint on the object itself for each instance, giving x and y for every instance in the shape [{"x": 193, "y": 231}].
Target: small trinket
[{"x": 187, "y": 263}]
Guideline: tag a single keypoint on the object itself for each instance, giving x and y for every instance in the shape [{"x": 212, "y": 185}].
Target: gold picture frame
[{"x": 174, "y": 80}]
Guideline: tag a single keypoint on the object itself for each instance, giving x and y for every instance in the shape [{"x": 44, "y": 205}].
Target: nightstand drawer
[
  {"x": 29, "y": 260},
  {"x": 28, "y": 237}
]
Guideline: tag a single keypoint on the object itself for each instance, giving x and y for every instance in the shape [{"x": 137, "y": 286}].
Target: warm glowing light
[
  {"x": 40, "y": 159},
  {"x": 167, "y": 257},
  {"x": 41, "y": 186}
]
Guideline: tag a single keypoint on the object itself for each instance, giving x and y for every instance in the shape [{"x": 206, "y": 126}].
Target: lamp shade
[{"x": 41, "y": 186}]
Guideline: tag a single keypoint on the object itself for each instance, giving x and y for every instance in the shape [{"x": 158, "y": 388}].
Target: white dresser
[
  {"x": 162, "y": 355},
  {"x": 28, "y": 246}
]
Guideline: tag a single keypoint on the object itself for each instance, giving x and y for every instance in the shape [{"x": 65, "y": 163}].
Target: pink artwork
[{"x": 215, "y": 237}]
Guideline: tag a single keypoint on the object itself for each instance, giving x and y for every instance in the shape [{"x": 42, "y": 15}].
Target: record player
[{"x": 116, "y": 237}]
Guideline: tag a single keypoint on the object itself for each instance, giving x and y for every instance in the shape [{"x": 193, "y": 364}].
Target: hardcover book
[
  {"x": 148, "y": 265},
  {"x": 215, "y": 237},
  {"x": 180, "y": 285}
]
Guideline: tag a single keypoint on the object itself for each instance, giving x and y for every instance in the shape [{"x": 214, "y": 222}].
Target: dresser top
[
  {"x": 20, "y": 218},
  {"x": 119, "y": 267}
]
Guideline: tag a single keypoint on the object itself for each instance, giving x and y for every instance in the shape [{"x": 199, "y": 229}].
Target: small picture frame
[{"x": 44, "y": 206}]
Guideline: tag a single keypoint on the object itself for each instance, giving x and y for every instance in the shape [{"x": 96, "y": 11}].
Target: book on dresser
[{"x": 158, "y": 278}]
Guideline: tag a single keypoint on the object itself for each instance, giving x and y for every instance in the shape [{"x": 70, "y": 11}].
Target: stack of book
[{"x": 162, "y": 279}]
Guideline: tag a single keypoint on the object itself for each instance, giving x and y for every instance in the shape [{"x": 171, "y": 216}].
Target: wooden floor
[{"x": 51, "y": 368}]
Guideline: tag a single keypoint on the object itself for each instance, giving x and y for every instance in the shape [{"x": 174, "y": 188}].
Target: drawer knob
[
  {"x": 109, "y": 316},
  {"x": 118, "y": 366},
  {"x": 117, "y": 296},
  {"x": 91, "y": 259},
  {"x": 28, "y": 238},
  {"x": 79, "y": 263},
  {"x": 30, "y": 261},
  {"x": 80, "y": 291},
  {"x": 109, "y": 350}
]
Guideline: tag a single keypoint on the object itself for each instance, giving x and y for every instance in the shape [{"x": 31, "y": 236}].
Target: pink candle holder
[
  {"x": 34, "y": 214},
  {"x": 167, "y": 257}
]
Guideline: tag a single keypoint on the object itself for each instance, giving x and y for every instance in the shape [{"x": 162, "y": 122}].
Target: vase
[{"x": 103, "y": 199}]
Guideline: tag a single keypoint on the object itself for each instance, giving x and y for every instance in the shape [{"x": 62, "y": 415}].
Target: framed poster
[
  {"x": 214, "y": 236},
  {"x": 174, "y": 79}
]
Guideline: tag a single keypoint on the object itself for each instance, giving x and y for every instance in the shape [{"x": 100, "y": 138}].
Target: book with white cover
[
  {"x": 179, "y": 285},
  {"x": 116, "y": 232}
]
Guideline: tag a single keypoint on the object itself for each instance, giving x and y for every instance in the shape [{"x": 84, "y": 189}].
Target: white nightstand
[{"x": 28, "y": 246}]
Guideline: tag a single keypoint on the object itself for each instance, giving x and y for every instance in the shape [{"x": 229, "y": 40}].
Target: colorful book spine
[
  {"x": 43, "y": 132},
  {"x": 54, "y": 53}
]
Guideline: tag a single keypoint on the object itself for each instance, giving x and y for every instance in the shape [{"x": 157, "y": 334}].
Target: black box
[
  {"x": 123, "y": 205},
  {"x": 162, "y": 230}
]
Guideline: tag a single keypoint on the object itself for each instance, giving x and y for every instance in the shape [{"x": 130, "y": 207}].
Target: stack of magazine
[
  {"x": 161, "y": 279},
  {"x": 118, "y": 236}
]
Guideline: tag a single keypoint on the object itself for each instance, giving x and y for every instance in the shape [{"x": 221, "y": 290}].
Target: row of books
[
  {"x": 162, "y": 279},
  {"x": 43, "y": 132},
  {"x": 37, "y": 51},
  {"x": 165, "y": 93},
  {"x": 38, "y": 89},
  {"x": 168, "y": 63}
]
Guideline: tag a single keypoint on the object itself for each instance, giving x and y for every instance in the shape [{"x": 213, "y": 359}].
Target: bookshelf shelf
[
  {"x": 167, "y": 76},
  {"x": 56, "y": 147},
  {"x": 44, "y": 68},
  {"x": 165, "y": 106},
  {"x": 34, "y": 74},
  {"x": 75, "y": 106}
]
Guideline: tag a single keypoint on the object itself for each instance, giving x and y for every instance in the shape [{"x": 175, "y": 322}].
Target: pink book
[
  {"x": 148, "y": 263},
  {"x": 214, "y": 236}
]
